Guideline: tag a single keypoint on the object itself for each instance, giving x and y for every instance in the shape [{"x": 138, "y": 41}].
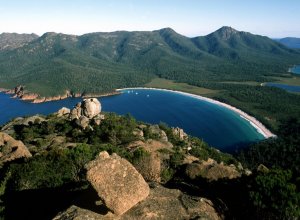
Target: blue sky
[{"x": 273, "y": 18}]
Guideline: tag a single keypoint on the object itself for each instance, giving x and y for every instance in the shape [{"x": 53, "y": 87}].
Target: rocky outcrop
[
  {"x": 188, "y": 159},
  {"x": 29, "y": 96},
  {"x": 86, "y": 111},
  {"x": 9, "y": 127},
  {"x": 155, "y": 130},
  {"x": 39, "y": 100},
  {"x": 162, "y": 203},
  {"x": 151, "y": 166},
  {"x": 262, "y": 168},
  {"x": 117, "y": 182},
  {"x": 21, "y": 93},
  {"x": 211, "y": 170},
  {"x": 63, "y": 112},
  {"x": 83, "y": 121},
  {"x": 178, "y": 132},
  {"x": 18, "y": 91},
  {"x": 88, "y": 108},
  {"x": 11, "y": 149},
  {"x": 98, "y": 118},
  {"x": 77, "y": 213}
]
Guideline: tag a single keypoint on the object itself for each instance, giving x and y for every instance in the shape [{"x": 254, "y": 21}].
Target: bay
[{"x": 218, "y": 126}]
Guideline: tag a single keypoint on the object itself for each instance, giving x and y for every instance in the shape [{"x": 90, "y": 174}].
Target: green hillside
[{"x": 101, "y": 62}]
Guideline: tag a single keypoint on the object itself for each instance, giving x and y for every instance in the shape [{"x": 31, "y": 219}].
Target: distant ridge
[
  {"x": 291, "y": 42},
  {"x": 103, "y": 61},
  {"x": 10, "y": 41}
]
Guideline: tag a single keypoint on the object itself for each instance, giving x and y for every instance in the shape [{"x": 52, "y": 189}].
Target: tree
[{"x": 275, "y": 196}]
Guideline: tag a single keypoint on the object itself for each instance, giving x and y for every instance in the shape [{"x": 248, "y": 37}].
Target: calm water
[
  {"x": 285, "y": 87},
  {"x": 217, "y": 125},
  {"x": 295, "y": 69}
]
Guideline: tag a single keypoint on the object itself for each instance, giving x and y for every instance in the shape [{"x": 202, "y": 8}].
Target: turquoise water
[
  {"x": 217, "y": 125},
  {"x": 285, "y": 87},
  {"x": 295, "y": 69}
]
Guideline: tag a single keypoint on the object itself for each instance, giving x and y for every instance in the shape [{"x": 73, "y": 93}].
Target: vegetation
[
  {"x": 184, "y": 87},
  {"x": 292, "y": 80},
  {"x": 275, "y": 194},
  {"x": 102, "y": 62}
]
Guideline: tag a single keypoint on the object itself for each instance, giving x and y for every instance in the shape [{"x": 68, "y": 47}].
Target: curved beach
[{"x": 253, "y": 121}]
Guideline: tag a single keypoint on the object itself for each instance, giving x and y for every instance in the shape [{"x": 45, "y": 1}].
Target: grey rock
[{"x": 90, "y": 107}]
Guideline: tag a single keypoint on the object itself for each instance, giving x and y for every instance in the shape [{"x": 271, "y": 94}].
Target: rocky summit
[
  {"x": 162, "y": 203},
  {"x": 84, "y": 164}
]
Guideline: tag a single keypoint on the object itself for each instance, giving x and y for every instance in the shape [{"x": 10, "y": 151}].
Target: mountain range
[{"x": 101, "y": 62}]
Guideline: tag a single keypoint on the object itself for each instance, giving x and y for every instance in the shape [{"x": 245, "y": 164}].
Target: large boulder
[
  {"x": 85, "y": 111},
  {"x": 11, "y": 149},
  {"x": 117, "y": 182},
  {"x": 90, "y": 107}
]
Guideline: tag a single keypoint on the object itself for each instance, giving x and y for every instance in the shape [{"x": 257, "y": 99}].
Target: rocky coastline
[{"x": 22, "y": 94}]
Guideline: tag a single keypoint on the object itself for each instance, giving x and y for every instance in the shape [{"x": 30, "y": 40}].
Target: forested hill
[{"x": 101, "y": 62}]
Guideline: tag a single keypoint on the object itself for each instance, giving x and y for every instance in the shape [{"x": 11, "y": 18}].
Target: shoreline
[
  {"x": 36, "y": 99},
  {"x": 252, "y": 120}
]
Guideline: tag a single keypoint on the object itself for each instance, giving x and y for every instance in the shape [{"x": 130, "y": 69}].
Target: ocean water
[
  {"x": 285, "y": 87},
  {"x": 215, "y": 124}
]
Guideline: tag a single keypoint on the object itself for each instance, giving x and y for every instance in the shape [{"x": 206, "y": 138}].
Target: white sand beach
[{"x": 253, "y": 121}]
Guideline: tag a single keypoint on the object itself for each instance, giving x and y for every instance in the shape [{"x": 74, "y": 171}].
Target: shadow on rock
[{"x": 47, "y": 203}]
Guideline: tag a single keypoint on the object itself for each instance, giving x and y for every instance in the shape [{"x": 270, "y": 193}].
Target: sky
[{"x": 273, "y": 18}]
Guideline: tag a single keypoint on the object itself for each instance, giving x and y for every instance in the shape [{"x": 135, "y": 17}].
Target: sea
[{"x": 217, "y": 125}]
